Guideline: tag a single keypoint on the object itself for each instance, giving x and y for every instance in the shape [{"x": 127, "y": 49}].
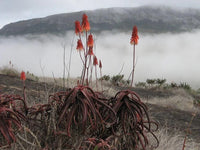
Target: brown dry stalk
[
  {"x": 20, "y": 144},
  {"x": 26, "y": 141},
  {"x": 36, "y": 139}
]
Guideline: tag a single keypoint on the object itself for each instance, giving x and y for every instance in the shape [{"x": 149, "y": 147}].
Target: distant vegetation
[{"x": 162, "y": 83}]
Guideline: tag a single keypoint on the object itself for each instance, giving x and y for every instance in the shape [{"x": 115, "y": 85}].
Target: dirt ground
[{"x": 168, "y": 117}]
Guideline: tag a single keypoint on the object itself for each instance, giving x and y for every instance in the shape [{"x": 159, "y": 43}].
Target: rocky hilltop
[{"x": 148, "y": 19}]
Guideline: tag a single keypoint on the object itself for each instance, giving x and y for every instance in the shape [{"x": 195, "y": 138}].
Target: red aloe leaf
[
  {"x": 90, "y": 104},
  {"x": 66, "y": 105},
  {"x": 5, "y": 132},
  {"x": 107, "y": 106},
  {"x": 69, "y": 120},
  {"x": 85, "y": 111},
  {"x": 141, "y": 141}
]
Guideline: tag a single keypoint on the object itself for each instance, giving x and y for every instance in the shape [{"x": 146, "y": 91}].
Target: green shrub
[
  {"x": 151, "y": 81},
  {"x": 117, "y": 79},
  {"x": 174, "y": 85},
  {"x": 160, "y": 82},
  {"x": 105, "y": 77},
  {"x": 141, "y": 84},
  {"x": 31, "y": 76},
  {"x": 185, "y": 86}
]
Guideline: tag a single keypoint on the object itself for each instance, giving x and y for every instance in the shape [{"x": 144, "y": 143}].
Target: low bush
[
  {"x": 117, "y": 79},
  {"x": 105, "y": 78},
  {"x": 141, "y": 84}
]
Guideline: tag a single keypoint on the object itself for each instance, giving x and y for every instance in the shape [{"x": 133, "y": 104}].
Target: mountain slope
[{"x": 148, "y": 19}]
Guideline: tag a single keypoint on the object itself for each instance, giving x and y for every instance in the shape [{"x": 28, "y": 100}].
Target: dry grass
[
  {"x": 69, "y": 83},
  {"x": 181, "y": 101},
  {"x": 169, "y": 141},
  {"x": 9, "y": 71}
]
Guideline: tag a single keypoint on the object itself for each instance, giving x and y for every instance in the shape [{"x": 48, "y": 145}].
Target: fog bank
[{"x": 171, "y": 56}]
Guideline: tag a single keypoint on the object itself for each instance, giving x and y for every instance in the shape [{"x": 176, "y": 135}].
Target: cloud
[{"x": 171, "y": 56}]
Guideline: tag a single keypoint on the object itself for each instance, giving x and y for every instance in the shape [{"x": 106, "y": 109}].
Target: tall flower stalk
[
  {"x": 90, "y": 53},
  {"x": 134, "y": 41},
  {"x": 23, "y": 78},
  {"x": 86, "y": 27},
  {"x": 100, "y": 67},
  {"x": 88, "y": 63},
  {"x": 95, "y": 63}
]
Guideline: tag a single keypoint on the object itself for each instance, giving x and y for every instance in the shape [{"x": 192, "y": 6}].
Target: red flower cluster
[
  {"x": 95, "y": 61},
  {"x": 135, "y": 37},
  {"x": 79, "y": 45},
  {"x": 85, "y": 23},
  {"x": 23, "y": 76},
  {"x": 78, "y": 28},
  {"x": 90, "y": 51},
  {"x": 90, "y": 41}
]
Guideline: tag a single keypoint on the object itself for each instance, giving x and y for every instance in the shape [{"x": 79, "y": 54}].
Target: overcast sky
[{"x": 15, "y": 10}]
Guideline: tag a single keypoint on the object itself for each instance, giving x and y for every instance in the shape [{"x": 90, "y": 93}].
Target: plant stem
[
  {"x": 81, "y": 57},
  {"x": 85, "y": 65},
  {"x": 133, "y": 65},
  {"x": 24, "y": 94},
  {"x": 91, "y": 70},
  {"x": 101, "y": 80},
  {"x": 64, "y": 67},
  {"x": 96, "y": 77},
  {"x": 89, "y": 64}
]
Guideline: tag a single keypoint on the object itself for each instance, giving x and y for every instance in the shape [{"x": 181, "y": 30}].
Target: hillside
[
  {"x": 148, "y": 19},
  {"x": 168, "y": 117}
]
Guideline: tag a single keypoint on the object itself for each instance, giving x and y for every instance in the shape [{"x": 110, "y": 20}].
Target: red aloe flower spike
[
  {"x": 95, "y": 61},
  {"x": 135, "y": 37},
  {"x": 86, "y": 27},
  {"x": 78, "y": 28},
  {"x": 23, "y": 76},
  {"x": 134, "y": 41},
  {"x": 85, "y": 23},
  {"x": 90, "y": 41},
  {"x": 79, "y": 45},
  {"x": 90, "y": 51}
]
